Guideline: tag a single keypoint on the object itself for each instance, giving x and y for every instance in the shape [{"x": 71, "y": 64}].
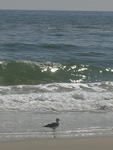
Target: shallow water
[{"x": 25, "y": 125}]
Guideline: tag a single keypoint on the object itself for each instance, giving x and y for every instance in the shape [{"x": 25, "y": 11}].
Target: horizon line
[{"x": 56, "y": 10}]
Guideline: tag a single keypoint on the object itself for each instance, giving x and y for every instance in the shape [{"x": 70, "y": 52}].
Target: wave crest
[{"x": 33, "y": 73}]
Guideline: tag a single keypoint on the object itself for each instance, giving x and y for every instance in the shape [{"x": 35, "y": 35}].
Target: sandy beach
[{"x": 97, "y": 143}]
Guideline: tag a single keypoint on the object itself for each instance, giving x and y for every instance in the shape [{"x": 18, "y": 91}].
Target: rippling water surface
[{"x": 55, "y": 62}]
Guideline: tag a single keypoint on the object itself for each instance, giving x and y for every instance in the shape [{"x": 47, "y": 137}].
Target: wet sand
[{"x": 97, "y": 143}]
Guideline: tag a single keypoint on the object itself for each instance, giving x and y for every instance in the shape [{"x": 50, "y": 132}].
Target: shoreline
[{"x": 86, "y": 143}]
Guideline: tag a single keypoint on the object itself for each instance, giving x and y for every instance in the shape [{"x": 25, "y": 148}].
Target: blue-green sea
[
  {"x": 56, "y": 64},
  {"x": 41, "y": 47}
]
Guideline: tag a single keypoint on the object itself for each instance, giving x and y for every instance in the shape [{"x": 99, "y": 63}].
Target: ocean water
[{"x": 56, "y": 64}]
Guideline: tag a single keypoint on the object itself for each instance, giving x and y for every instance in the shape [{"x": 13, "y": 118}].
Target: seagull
[{"x": 53, "y": 125}]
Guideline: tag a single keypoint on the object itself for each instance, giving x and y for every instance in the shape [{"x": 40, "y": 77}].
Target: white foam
[{"x": 57, "y": 97}]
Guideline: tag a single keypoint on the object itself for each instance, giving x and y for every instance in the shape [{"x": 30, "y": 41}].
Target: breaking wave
[
  {"x": 57, "y": 97},
  {"x": 35, "y": 73}
]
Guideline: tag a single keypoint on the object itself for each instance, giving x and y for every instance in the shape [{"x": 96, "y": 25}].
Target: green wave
[{"x": 33, "y": 73}]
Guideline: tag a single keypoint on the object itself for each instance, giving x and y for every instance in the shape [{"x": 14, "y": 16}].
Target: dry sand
[{"x": 98, "y": 143}]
